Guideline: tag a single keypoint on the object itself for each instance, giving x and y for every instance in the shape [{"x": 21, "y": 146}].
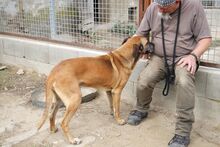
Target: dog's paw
[
  {"x": 75, "y": 141},
  {"x": 121, "y": 121},
  {"x": 53, "y": 130}
]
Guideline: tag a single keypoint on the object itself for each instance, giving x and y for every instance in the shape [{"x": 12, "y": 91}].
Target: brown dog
[{"x": 110, "y": 72}]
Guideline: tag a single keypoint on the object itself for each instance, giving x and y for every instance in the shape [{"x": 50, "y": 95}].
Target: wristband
[{"x": 194, "y": 55}]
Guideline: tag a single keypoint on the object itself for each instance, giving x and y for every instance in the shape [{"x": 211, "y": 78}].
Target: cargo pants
[{"x": 185, "y": 92}]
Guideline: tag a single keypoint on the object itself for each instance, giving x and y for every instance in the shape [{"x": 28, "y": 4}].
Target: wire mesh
[
  {"x": 212, "y": 9},
  {"x": 93, "y": 23}
]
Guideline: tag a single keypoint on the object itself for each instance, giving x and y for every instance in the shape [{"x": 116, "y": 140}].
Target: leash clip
[{"x": 150, "y": 47}]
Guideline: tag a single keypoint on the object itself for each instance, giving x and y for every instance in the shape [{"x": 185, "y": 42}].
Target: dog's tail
[{"x": 48, "y": 102}]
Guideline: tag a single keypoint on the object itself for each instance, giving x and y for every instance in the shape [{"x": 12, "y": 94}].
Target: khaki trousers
[{"x": 185, "y": 92}]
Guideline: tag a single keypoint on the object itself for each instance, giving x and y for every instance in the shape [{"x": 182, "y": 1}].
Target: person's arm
[
  {"x": 202, "y": 46},
  {"x": 190, "y": 60},
  {"x": 202, "y": 34}
]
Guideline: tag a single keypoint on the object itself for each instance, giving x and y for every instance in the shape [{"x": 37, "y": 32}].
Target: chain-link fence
[
  {"x": 93, "y": 23},
  {"x": 212, "y": 9}
]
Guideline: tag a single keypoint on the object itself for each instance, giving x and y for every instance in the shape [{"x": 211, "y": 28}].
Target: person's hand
[{"x": 190, "y": 62}]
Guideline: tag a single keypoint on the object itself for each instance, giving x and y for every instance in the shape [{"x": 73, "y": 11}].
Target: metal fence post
[
  {"x": 21, "y": 17},
  {"x": 52, "y": 19}
]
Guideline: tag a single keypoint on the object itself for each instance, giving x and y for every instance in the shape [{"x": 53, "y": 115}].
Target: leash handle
[
  {"x": 166, "y": 87},
  {"x": 170, "y": 75}
]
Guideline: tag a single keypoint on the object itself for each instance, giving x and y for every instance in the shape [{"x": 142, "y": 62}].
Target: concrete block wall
[{"x": 42, "y": 56}]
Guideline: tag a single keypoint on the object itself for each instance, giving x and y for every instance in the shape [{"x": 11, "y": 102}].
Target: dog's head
[{"x": 140, "y": 46}]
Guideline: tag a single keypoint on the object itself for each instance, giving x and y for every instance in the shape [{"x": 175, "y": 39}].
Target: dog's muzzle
[{"x": 150, "y": 47}]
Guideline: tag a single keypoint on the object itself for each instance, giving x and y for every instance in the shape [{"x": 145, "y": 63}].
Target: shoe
[
  {"x": 135, "y": 117},
  {"x": 179, "y": 141}
]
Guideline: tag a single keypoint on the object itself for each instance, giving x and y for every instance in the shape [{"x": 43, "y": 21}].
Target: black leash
[{"x": 170, "y": 75}]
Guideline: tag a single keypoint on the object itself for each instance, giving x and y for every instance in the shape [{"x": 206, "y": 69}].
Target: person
[{"x": 180, "y": 22}]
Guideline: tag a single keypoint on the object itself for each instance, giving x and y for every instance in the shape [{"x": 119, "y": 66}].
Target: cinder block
[
  {"x": 8, "y": 59},
  {"x": 13, "y": 47},
  {"x": 168, "y": 102},
  {"x": 1, "y": 46},
  {"x": 212, "y": 88},
  {"x": 19, "y": 50},
  {"x": 138, "y": 68},
  {"x": 201, "y": 83},
  {"x": 59, "y": 53},
  {"x": 39, "y": 67},
  {"x": 90, "y": 52},
  {"x": 206, "y": 108},
  {"x": 36, "y": 52},
  {"x": 128, "y": 93},
  {"x": 8, "y": 47},
  {"x": 135, "y": 89}
]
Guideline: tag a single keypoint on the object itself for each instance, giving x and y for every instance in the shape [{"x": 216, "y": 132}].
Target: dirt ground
[{"x": 92, "y": 123}]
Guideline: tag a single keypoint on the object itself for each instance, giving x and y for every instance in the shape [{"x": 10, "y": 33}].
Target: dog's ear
[
  {"x": 137, "y": 49},
  {"x": 125, "y": 40}
]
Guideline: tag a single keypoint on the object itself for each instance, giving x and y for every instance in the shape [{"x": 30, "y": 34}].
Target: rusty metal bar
[{"x": 143, "y": 4}]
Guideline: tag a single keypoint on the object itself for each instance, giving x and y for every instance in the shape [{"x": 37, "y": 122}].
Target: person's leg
[
  {"x": 152, "y": 73},
  {"x": 185, "y": 84}
]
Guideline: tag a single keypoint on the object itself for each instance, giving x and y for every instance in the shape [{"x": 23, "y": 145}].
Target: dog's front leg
[{"x": 116, "y": 95}]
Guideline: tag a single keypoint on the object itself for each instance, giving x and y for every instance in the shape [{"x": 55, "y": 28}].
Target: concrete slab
[
  {"x": 1, "y": 46},
  {"x": 8, "y": 59},
  {"x": 128, "y": 93},
  {"x": 58, "y": 53},
  {"x": 8, "y": 47},
  {"x": 201, "y": 82},
  {"x": 89, "y": 52},
  {"x": 207, "y": 109},
  {"x": 39, "y": 53},
  {"x": 13, "y": 48},
  {"x": 212, "y": 86},
  {"x": 37, "y": 66},
  {"x": 168, "y": 102},
  {"x": 138, "y": 68}
]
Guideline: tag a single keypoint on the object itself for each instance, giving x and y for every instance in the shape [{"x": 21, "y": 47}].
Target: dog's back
[{"x": 84, "y": 70}]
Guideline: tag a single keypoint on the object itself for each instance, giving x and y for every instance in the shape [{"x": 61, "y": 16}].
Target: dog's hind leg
[
  {"x": 109, "y": 94},
  {"x": 70, "y": 94},
  {"x": 54, "y": 108}
]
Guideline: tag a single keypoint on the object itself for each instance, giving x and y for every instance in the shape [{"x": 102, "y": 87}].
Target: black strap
[{"x": 170, "y": 75}]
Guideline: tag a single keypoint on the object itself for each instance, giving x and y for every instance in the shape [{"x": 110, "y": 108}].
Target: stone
[
  {"x": 3, "y": 67},
  {"x": 20, "y": 72},
  {"x": 88, "y": 94}
]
